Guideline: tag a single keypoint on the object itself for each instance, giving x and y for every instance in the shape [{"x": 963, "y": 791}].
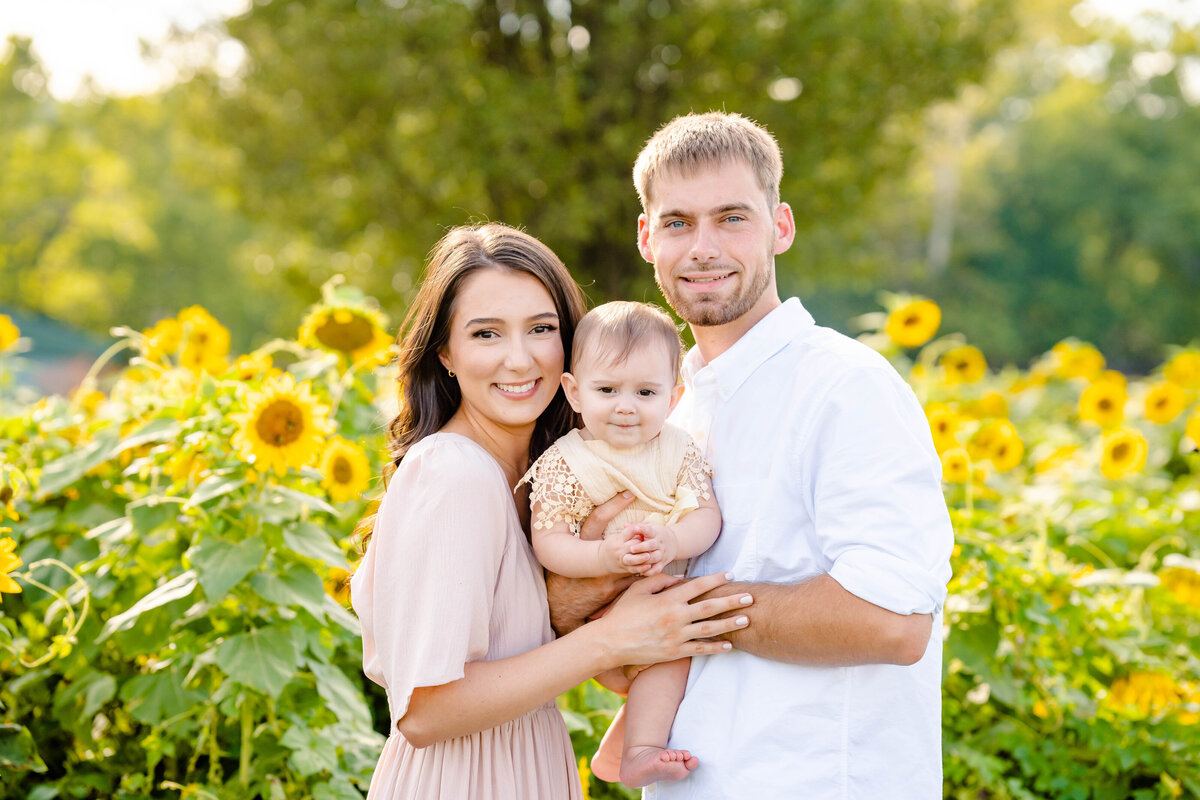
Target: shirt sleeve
[
  {"x": 424, "y": 590},
  {"x": 557, "y": 493},
  {"x": 880, "y": 515}
]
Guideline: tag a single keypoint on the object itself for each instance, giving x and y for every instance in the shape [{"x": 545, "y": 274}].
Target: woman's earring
[{"x": 450, "y": 372}]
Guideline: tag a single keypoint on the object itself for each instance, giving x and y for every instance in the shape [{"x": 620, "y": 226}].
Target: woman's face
[{"x": 504, "y": 347}]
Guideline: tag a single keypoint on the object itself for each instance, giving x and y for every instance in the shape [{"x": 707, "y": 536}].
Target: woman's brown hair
[{"x": 428, "y": 395}]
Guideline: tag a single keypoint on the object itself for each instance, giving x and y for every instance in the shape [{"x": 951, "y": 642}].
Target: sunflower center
[
  {"x": 6, "y": 494},
  {"x": 911, "y": 320},
  {"x": 1120, "y": 451},
  {"x": 1104, "y": 404},
  {"x": 280, "y": 423},
  {"x": 346, "y": 335},
  {"x": 343, "y": 470}
]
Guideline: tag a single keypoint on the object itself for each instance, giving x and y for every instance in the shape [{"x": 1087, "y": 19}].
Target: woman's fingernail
[
  {"x": 746, "y": 600},
  {"x": 726, "y": 646},
  {"x": 728, "y": 576},
  {"x": 742, "y": 620}
]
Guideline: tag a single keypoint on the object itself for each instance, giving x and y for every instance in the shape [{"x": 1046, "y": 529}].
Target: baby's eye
[
  {"x": 605, "y": 389},
  {"x": 646, "y": 393}
]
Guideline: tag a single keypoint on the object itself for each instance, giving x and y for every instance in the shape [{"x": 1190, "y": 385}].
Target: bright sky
[{"x": 74, "y": 38}]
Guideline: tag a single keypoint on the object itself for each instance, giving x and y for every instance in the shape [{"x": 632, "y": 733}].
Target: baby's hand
[
  {"x": 616, "y": 550},
  {"x": 656, "y": 549}
]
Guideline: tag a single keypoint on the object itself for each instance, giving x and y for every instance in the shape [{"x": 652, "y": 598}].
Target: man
[{"x": 830, "y": 492}]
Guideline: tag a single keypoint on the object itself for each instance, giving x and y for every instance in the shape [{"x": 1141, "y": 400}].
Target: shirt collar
[{"x": 768, "y": 336}]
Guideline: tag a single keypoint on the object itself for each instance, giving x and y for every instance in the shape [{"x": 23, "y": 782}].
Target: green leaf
[
  {"x": 95, "y": 688},
  {"x": 313, "y": 541},
  {"x": 222, "y": 565},
  {"x": 177, "y": 588},
  {"x": 336, "y": 612},
  {"x": 158, "y": 430},
  {"x": 18, "y": 751},
  {"x": 341, "y": 695},
  {"x": 336, "y": 789},
  {"x": 111, "y": 533},
  {"x": 147, "y": 513},
  {"x": 263, "y": 659},
  {"x": 212, "y": 487},
  {"x": 312, "y": 753},
  {"x": 296, "y": 586},
  {"x": 284, "y": 494},
  {"x": 62, "y": 472},
  {"x": 158, "y": 696},
  {"x": 576, "y": 721}
]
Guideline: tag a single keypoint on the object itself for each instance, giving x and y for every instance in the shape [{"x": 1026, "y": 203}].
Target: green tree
[{"x": 371, "y": 126}]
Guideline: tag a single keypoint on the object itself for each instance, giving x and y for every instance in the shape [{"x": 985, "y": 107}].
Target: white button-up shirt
[{"x": 823, "y": 463}]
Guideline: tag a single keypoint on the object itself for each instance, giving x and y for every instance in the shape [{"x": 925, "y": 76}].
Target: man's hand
[{"x": 573, "y": 600}]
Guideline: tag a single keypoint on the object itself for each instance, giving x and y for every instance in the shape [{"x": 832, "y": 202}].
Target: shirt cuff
[{"x": 890, "y": 582}]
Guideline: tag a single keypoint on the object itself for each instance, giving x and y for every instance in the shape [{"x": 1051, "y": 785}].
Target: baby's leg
[
  {"x": 606, "y": 764},
  {"x": 653, "y": 700}
]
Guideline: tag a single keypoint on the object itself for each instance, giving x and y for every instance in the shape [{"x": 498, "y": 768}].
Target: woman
[{"x": 451, "y": 599}]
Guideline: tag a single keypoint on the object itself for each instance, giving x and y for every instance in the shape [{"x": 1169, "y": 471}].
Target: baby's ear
[
  {"x": 676, "y": 393},
  {"x": 571, "y": 390}
]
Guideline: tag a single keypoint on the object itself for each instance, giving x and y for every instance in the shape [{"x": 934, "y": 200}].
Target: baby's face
[{"x": 624, "y": 404}]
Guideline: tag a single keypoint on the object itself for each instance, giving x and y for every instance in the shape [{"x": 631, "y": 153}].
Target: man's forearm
[
  {"x": 573, "y": 600},
  {"x": 820, "y": 623}
]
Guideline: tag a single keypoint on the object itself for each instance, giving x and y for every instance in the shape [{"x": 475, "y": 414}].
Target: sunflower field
[{"x": 175, "y": 551}]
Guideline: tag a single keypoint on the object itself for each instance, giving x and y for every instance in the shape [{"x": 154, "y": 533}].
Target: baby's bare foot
[{"x": 642, "y": 765}]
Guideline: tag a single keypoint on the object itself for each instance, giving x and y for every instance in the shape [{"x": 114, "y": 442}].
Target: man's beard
[{"x": 711, "y": 314}]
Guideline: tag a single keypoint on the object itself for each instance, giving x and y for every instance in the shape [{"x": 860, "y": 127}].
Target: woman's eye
[
  {"x": 544, "y": 329},
  {"x": 484, "y": 334}
]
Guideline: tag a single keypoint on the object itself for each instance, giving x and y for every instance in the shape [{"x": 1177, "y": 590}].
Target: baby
[{"x": 624, "y": 381}]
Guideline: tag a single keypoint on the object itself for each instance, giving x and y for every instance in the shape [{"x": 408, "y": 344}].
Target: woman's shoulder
[{"x": 442, "y": 457}]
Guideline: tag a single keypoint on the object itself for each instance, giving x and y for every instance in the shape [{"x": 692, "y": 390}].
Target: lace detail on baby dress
[
  {"x": 556, "y": 493},
  {"x": 694, "y": 472}
]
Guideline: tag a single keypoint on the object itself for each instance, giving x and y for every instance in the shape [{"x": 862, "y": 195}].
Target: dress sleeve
[
  {"x": 876, "y": 494},
  {"x": 695, "y": 471},
  {"x": 558, "y": 492},
  {"x": 425, "y": 588}
]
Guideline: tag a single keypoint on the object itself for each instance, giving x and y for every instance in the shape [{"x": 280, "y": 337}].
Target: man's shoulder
[{"x": 823, "y": 356}]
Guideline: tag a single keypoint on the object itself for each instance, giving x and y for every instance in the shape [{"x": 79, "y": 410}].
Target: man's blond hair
[{"x": 688, "y": 144}]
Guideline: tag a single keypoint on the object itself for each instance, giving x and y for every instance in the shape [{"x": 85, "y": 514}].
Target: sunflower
[
  {"x": 1124, "y": 453},
  {"x": 8, "y": 562},
  {"x": 956, "y": 465},
  {"x": 1184, "y": 583},
  {"x": 9, "y": 333},
  {"x": 1192, "y": 431},
  {"x": 1103, "y": 403},
  {"x": 964, "y": 364},
  {"x": 913, "y": 324},
  {"x": 991, "y": 406},
  {"x": 346, "y": 470},
  {"x": 337, "y": 584},
  {"x": 1076, "y": 360},
  {"x": 943, "y": 424},
  {"x": 162, "y": 339},
  {"x": 1164, "y": 402},
  {"x": 254, "y": 365},
  {"x": 355, "y": 332},
  {"x": 999, "y": 443},
  {"x": 1183, "y": 369},
  {"x": 1059, "y": 456},
  {"x": 1148, "y": 692},
  {"x": 205, "y": 341},
  {"x": 283, "y": 426}
]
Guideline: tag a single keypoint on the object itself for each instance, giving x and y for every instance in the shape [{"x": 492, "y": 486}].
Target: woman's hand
[{"x": 655, "y": 620}]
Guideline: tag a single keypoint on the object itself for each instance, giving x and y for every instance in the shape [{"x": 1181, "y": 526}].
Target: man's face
[{"x": 713, "y": 238}]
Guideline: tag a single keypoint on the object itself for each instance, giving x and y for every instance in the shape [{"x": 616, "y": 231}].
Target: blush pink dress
[{"x": 449, "y": 578}]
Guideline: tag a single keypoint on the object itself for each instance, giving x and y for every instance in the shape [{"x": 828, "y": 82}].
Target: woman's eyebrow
[{"x": 497, "y": 320}]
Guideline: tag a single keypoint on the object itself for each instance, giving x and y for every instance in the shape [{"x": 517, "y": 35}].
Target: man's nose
[{"x": 704, "y": 243}]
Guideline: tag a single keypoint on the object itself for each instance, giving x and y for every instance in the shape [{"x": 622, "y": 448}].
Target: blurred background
[{"x": 1031, "y": 165}]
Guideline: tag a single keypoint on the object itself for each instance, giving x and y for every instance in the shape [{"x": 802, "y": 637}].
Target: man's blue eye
[{"x": 675, "y": 223}]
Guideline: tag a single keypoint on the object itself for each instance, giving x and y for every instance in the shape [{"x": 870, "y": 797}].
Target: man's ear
[
  {"x": 785, "y": 228},
  {"x": 676, "y": 394},
  {"x": 571, "y": 391},
  {"x": 643, "y": 238}
]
